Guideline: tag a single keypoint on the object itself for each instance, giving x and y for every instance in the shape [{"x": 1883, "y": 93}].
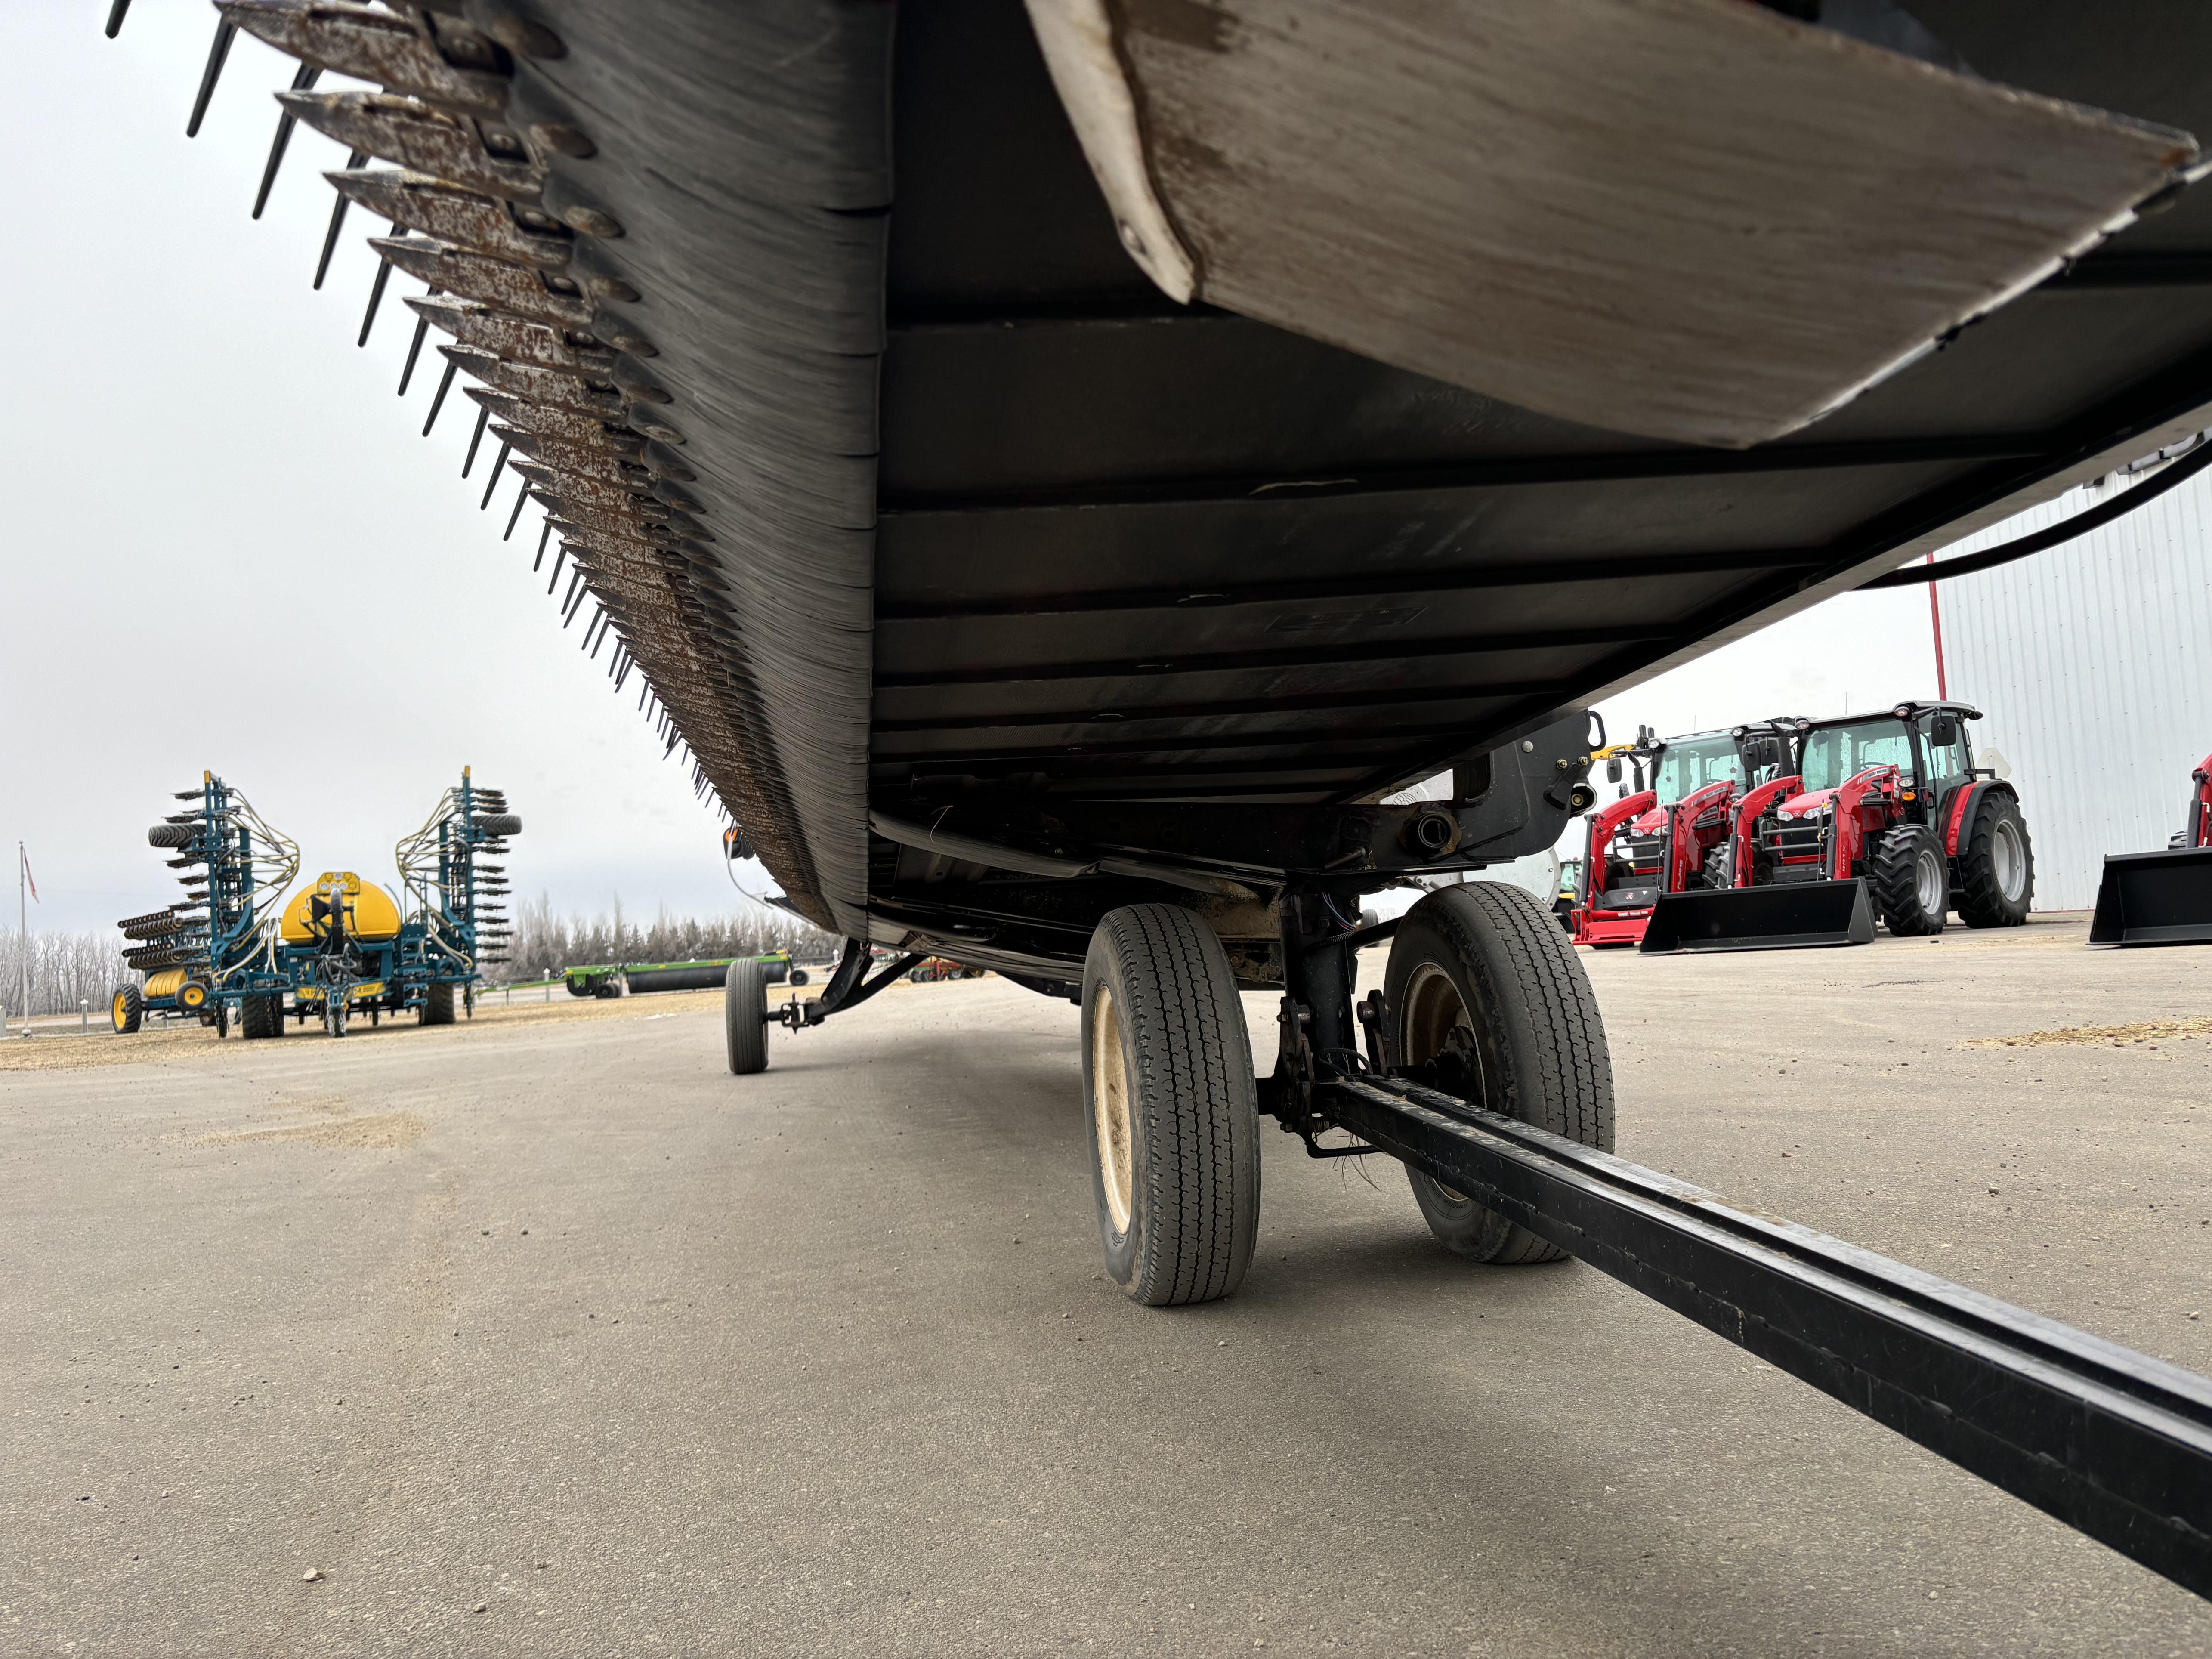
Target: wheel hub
[{"x": 2007, "y": 860}]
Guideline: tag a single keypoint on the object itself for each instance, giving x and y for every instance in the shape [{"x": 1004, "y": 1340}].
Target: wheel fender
[{"x": 1966, "y": 802}]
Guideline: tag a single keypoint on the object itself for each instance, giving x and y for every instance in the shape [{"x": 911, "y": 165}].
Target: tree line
[
  {"x": 89, "y": 967},
  {"x": 65, "y": 968},
  {"x": 544, "y": 943}
]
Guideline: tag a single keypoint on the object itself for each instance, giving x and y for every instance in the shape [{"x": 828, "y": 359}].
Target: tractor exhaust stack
[{"x": 1781, "y": 918}]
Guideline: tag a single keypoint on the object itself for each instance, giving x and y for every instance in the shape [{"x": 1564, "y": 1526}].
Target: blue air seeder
[{"x": 340, "y": 945}]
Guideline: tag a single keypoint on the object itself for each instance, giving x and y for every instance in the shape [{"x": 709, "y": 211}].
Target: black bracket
[{"x": 846, "y": 988}]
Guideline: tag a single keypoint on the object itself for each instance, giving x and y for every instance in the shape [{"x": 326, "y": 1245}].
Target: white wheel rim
[
  {"x": 1931, "y": 877},
  {"x": 1109, "y": 1105},
  {"x": 1436, "y": 1016},
  {"x": 2010, "y": 862}
]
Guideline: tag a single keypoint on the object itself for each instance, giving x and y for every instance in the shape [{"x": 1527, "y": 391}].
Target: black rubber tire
[
  {"x": 437, "y": 1007},
  {"x": 1982, "y": 900},
  {"x": 127, "y": 1009},
  {"x": 1718, "y": 872},
  {"x": 1160, "y": 1000},
  {"x": 1537, "y": 1040},
  {"x": 170, "y": 835},
  {"x": 1894, "y": 881},
  {"x": 797, "y": 976},
  {"x": 260, "y": 1017},
  {"x": 745, "y": 1017},
  {"x": 501, "y": 825}
]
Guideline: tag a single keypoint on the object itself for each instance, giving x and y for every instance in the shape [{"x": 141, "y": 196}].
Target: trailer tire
[
  {"x": 260, "y": 1016},
  {"x": 1481, "y": 970},
  {"x": 437, "y": 1007},
  {"x": 1170, "y": 1107},
  {"x": 128, "y": 1010},
  {"x": 1912, "y": 881},
  {"x": 745, "y": 1017},
  {"x": 1997, "y": 864}
]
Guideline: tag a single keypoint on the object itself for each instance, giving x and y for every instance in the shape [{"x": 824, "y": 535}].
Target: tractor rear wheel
[
  {"x": 128, "y": 1010},
  {"x": 1997, "y": 864},
  {"x": 1480, "y": 979},
  {"x": 744, "y": 1015},
  {"x": 437, "y": 1005},
  {"x": 1719, "y": 872},
  {"x": 1912, "y": 881},
  {"x": 1170, "y": 1106}
]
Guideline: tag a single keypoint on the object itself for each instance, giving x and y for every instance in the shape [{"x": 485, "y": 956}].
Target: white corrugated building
[{"x": 2091, "y": 662}]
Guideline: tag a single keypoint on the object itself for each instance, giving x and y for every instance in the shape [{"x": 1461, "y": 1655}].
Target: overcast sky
[{"x": 226, "y": 547}]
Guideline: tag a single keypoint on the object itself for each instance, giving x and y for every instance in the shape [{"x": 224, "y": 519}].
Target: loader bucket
[
  {"x": 2155, "y": 898},
  {"x": 1762, "y": 918}
]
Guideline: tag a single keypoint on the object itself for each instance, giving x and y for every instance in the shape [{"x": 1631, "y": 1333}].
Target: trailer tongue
[{"x": 2112, "y": 1443}]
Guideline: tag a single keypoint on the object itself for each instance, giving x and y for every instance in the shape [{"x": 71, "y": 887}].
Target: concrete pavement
[{"x": 550, "y": 1337}]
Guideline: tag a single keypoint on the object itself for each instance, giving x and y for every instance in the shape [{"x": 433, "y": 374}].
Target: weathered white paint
[
  {"x": 1077, "y": 38},
  {"x": 1692, "y": 219},
  {"x": 2090, "y": 662}
]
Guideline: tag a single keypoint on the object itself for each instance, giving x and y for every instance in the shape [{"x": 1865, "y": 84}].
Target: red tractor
[
  {"x": 1660, "y": 839},
  {"x": 2162, "y": 898},
  {"x": 1887, "y": 814}
]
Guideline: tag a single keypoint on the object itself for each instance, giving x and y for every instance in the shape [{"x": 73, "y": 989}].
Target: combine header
[
  {"x": 2162, "y": 898},
  {"x": 1888, "y": 814}
]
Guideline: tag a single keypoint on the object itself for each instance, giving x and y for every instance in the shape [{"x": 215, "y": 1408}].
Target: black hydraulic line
[
  {"x": 116, "y": 14},
  {"x": 225, "y": 32},
  {"x": 354, "y": 159},
  {"x": 438, "y": 399},
  {"x": 2057, "y": 535},
  {"x": 2110, "y": 1441},
  {"x": 302, "y": 81}
]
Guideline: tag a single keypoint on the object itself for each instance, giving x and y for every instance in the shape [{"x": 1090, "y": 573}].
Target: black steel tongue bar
[{"x": 2111, "y": 1442}]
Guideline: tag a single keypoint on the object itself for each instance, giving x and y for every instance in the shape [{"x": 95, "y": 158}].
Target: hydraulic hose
[{"x": 2057, "y": 535}]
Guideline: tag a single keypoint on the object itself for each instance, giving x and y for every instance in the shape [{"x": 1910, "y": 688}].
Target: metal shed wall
[{"x": 2090, "y": 662}]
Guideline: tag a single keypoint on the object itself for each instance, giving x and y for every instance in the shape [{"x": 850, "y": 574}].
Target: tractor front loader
[
  {"x": 1664, "y": 840},
  {"x": 2162, "y": 898},
  {"x": 1888, "y": 815}
]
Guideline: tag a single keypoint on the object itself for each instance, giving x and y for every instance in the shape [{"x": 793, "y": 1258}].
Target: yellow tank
[
  {"x": 371, "y": 914},
  {"x": 165, "y": 983}
]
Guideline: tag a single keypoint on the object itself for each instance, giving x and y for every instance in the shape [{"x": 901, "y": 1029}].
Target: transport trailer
[{"x": 1055, "y": 560}]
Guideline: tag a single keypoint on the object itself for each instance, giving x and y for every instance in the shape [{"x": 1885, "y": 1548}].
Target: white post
[
  {"x": 84, "y": 1016},
  {"x": 24, "y": 922}
]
